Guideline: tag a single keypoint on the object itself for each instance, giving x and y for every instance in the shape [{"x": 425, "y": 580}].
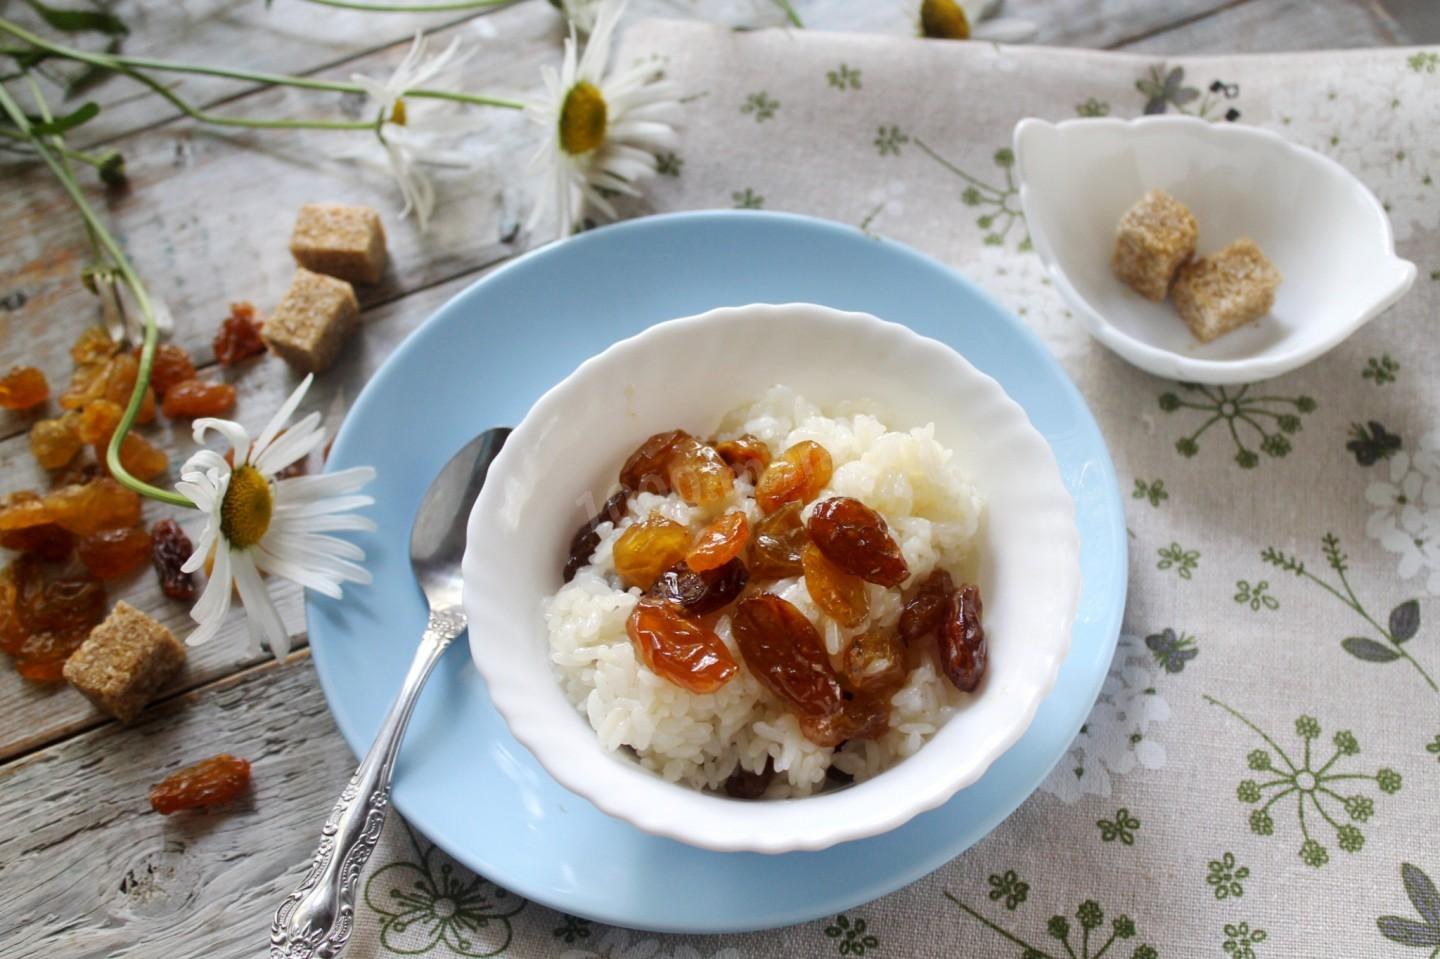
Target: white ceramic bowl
[
  {"x": 1324, "y": 231},
  {"x": 688, "y": 373}
]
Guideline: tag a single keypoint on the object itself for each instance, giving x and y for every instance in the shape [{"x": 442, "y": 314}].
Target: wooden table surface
[{"x": 87, "y": 870}]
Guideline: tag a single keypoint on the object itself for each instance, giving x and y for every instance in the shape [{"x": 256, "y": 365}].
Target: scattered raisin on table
[
  {"x": 86, "y": 383},
  {"x": 964, "y": 653},
  {"x": 747, "y": 455},
  {"x": 647, "y": 469},
  {"x": 925, "y": 610},
  {"x": 189, "y": 399},
  {"x": 698, "y": 593},
  {"x": 170, "y": 549},
  {"x": 210, "y": 782},
  {"x": 743, "y": 784},
  {"x": 140, "y": 458},
  {"x": 22, "y": 388},
  {"x": 585, "y": 540},
  {"x": 171, "y": 365},
  {"x": 855, "y": 538},
  {"x": 45, "y": 541},
  {"x": 94, "y": 345},
  {"x": 55, "y": 442},
  {"x": 840, "y": 595},
  {"x": 677, "y": 649},
  {"x": 783, "y": 650},
  {"x": 46, "y": 620},
  {"x": 238, "y": 338},
  {"x": 648, "y": 548},
  {"x": 779, "y": 543},
  {"x": 89, "y": 508},
  {"x": 720, "y": 542},
  {"x": 798, "y": 476},
  {"x": 120, "y": 383},
  {"x": 98, "y": 420},
  {"x": 115, "y": 552}
]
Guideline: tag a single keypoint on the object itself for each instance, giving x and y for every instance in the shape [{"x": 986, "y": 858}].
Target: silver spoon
[{"x": 316, "y": 919}]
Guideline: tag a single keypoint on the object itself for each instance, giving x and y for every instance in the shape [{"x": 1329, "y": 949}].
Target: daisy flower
[
  {"x": 603, "y": 130},
  {"x": 406, "y": 146},
  {"x": 258, "y": 524}
]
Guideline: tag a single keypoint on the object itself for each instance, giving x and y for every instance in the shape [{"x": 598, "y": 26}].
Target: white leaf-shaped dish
[{"x": 1319, "y": 225}]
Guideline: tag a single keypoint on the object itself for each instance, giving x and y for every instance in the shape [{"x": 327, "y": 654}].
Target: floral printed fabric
[{"x": 1260, "y": 775}]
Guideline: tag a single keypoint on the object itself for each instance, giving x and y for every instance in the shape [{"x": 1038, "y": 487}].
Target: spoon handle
[{"x": 316, "y": 919}]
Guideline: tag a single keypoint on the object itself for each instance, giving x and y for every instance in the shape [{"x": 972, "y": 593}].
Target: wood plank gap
[{"x": 1176, "y": 25}]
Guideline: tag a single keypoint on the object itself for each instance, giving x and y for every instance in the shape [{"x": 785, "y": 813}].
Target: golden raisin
[
  {"x": 647, "y": 469},
  {"x": 99, "y": 504},
  {"x": 45, "y": 540},
  {"x": 679, "y": 650},
  {"x": 115, "y": 552},
  {"x": 855, "y": 538},
  {"x": 210, "y": 782},
  {"x": 874, "y": 664},
  {"x": 171, "y": 365},
  {"x": 55, "y": 442},
  {"x": 698, "y": 474},
  {"x": 780, "y": 540},
  {"x": 839, "y": 595},
  {"x": 720, "y": 542},
  {"x": 120, "y": 383},
  {"x": 238, "y": 338},
  {"x": 49, "y": 620},
  {"x": 747, "y": 455},
  {"x": 98, "y": 420},
  {"x": 86, "y": 383},
  {"x": 22, "y": 388},
  {"x": 925, "y": 610},
  {"x": 964, "y": 653},
  {"x": 23, "y": 509},
  {"x": 192, "y": 398},
  {"x": 782, "y": 649},
  {"x": 700, "y": 593},
  {"x": 140, "y": 458},
  {"x": 93, "y": 346},
  {"x": 798, "y": 476},
  {"x": 648, "y": 548}
]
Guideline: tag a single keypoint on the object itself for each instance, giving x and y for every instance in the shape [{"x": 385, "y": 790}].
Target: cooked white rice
[{"x": 699, "y": 740}]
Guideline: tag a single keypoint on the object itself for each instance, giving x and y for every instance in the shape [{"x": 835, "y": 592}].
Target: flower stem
[
  {"x": 131, "y": 67},
  {"x": 994, "y": 928},
  {"x": 117, "y": 256},
  {"x": 790, "y": 13}
]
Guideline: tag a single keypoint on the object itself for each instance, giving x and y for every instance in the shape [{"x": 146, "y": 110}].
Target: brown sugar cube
[
  {"x": 1154, "y": 237},
  {"x": 312, "y": 321},
  {"x": 124, "y": 662},
  {"x": 340, "y": 240},
  {"x": 1219, "y": 292}
]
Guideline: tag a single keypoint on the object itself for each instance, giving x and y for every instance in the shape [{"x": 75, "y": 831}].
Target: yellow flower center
[
  {"x": 245, "y": 511},
  {"x": 582, "y": 119},
  {"x": 943, "y": 20},
  {"x": 397, "y": 113}
]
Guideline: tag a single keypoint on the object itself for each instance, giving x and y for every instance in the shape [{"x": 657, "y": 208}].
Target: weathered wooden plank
[
  {"x": 35, "y": 716},
  {"x": 208, "y": 214},
  {"x": 91, "y": 872},
  {"x": 290, "y": 36},
  {"x": 1275, "y": 25}
]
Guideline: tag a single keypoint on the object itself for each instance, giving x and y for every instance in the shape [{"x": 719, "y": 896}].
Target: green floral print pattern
[
  {"x": 1154, "y": 491},
  {"x": 428, "y": 903},
  {"x": 1240, "y": 940},
  {"x": 1269, "y": 419},
  {"x": 1371, "y": 443},
  {"x": 760, "y": 106},
  {"x": 1313, "y": 787},
  {"x": 572, "y": 929},
  {"x": 1092, "y": 107},
  {"x": 1227, "y": 878},
  {"x": 853, "y": 939},
  {"x": 1000, "y": 205},
  {"x": 1009, "y": 887},
  {"x": 1122, "y": 827},
  {"x": 1382, "y": 369},
  {"x": 889, "y": 140},
  {"x": 1423, "y": 895},
  {"x": 669, "y": 164},
  {"x": 1424, "y": 62},
  {"x": 1172, "y": 651},
  {"x": 1403, "y": 624},
  {"x": 843, "y": 77},
  {"x": 1256, "y": 596},
  {"x": 747, "y": 199},
  {"x": 1088, "y": 943},
  {"x": 1176, "y": 557}
]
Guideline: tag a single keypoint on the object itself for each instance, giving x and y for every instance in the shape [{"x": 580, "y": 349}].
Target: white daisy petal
[
  {"x": 282, "y": 416},
  {"x": 233, "y": 432},
  {"x": 214, "y": 602},
  {"x": 305, "y": 489},
  {"x": 296, "y": 444},
  {"x": 258, "y": 605}
]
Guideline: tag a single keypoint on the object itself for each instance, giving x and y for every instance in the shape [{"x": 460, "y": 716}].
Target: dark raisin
[
  {"x": 963, "y": 651},
  {"x": 743, "y": 784},
  {"x": 585, "y": 540},
  {"x": 169, "y": 551},
  {"x": 700, "y": 593},
  {"x": 925, "y": 610}
]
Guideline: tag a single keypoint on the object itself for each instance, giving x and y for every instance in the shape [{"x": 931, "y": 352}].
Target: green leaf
[
  {"x": 67, "y": 122},
  {"x": 1368, "y": 650},
  {"x": 1405, "y": 620},
  {"x": 79, "y": 21}
]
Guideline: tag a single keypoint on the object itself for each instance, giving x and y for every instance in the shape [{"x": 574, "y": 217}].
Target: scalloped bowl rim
[
  {"x": 1168, "y": 363},
  {"x": 625, "y": 790}
]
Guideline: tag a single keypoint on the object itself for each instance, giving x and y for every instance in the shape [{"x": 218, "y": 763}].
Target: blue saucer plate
[{"x": 482, "y": 360}]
